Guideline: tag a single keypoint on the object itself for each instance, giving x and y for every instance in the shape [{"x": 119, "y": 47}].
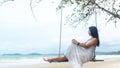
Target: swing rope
[
  {"x": 96, "y": 27},
  {"x": 94, "y": 59},
  {"x": 60, "y": 37}
]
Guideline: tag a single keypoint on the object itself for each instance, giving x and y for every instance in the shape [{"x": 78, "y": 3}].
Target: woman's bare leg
[{"x": 57, "y": 59}]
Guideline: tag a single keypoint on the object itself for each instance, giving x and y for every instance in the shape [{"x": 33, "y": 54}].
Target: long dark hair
[{"x": 94, "y": 33}]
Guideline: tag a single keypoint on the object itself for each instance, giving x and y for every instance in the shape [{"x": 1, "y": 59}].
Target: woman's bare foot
[
  {"x": 57, "y": 59},
  {"x": 48, "y": 60}
]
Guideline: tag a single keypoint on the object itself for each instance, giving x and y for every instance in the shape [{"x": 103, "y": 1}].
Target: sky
[{"x": 21, "y": 33}]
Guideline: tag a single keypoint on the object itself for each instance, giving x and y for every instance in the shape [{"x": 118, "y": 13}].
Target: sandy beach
[{"x": 99, "y": 64}]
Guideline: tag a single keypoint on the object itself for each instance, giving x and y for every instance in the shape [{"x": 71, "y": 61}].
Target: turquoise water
[
  {"x": 38, "y": 58},
  {"x": 20, "y": 58},
  {"x": 37, "y": 55},
  {"x": 25, "y": 56}
]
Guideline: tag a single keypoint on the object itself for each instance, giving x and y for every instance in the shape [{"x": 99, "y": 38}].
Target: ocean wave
[{"x": 54, "y": 54}]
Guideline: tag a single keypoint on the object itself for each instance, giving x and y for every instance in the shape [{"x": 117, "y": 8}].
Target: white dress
[{"x": 78, "y": 55}]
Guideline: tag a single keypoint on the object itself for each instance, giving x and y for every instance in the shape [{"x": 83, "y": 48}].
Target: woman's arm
[{"x": 92, "y": 42}]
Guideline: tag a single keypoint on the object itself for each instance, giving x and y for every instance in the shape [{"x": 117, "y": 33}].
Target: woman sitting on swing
[{"x": 78, "y": 52}]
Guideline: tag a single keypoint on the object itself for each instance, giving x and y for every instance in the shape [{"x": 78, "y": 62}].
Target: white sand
[{"x": 98, "y": 64}]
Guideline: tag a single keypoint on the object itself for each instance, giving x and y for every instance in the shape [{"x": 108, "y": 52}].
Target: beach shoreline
[{"x": 113, "y": 63}]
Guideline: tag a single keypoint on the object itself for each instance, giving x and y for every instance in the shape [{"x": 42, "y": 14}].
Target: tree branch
[
  {"x": 32, "y": 10},
  {"x": 113, "y": 14},
  {"x": 3, "y": 1}
]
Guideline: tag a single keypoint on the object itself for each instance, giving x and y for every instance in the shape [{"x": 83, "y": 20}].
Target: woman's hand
[{"x": 74, "y": 41}]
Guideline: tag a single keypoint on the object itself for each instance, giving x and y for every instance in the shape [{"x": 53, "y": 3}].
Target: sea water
[
  {"x": 38, "y": 58},
  {"x": 25, "y": 58}
]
